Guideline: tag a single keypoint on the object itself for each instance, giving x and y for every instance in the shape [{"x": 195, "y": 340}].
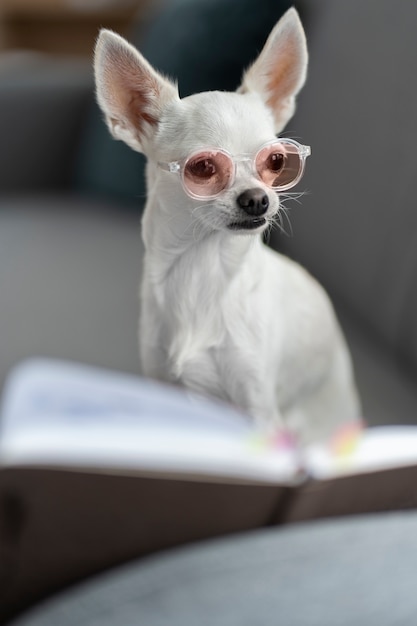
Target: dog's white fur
[{"x": 221, "y": 312}]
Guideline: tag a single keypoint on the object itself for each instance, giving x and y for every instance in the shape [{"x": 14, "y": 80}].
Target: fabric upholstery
[
  {"x": 356, "y": 229},
  {"x": 387, "y": 388},
  {"x": 355, "y": 571},
  {"x": 43, "y": 103},
  {"x": 69, "y": 275}
]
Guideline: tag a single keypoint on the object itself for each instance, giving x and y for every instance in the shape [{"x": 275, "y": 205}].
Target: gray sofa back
[{"x": 357, "y": 228}]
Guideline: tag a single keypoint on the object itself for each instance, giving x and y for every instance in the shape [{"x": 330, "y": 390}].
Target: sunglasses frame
[{"x": 178, "y": 167}]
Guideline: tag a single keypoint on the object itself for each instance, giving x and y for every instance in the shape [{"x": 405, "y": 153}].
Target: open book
[{"x": 99, "y": 467}]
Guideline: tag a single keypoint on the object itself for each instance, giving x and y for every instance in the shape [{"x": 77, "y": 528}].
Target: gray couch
[
  {"x": 359, "y": 572},
  {"x": 70, "y": 256}
]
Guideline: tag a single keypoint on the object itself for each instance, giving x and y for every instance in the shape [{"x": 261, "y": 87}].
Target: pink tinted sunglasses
[{"x": 205, "y": 174}]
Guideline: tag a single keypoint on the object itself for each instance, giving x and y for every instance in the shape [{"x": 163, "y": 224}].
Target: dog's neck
[
  {"x": 191, "y": 278},
  {"x": 171, "y": 242}
]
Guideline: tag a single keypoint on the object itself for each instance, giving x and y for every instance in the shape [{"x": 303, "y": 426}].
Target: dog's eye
[
  {"x": 206, "y": 174},
  {"x": 202, "y": 168},
  {"x": 275, "y": 162}
]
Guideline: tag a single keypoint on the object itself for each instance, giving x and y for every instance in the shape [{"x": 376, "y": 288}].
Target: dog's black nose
[{"x": 254, "y": 202}]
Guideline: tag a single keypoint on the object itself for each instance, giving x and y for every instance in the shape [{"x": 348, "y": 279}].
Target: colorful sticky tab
[{"x": 345, "y": 441}]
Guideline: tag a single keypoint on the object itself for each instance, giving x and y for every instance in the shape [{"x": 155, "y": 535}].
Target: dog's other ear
[
  {"x": 131, "y": 94},
  {"x": 280, "y": 70}
]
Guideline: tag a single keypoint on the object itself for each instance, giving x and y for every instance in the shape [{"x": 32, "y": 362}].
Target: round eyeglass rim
[{"x": 178, "y": 167}]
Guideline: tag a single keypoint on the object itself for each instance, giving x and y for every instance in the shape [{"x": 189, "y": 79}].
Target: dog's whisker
[
  {"x": 192, "y": 224},
  {"x": 200, "y": 227},
  {"x": 267, "y": 232},
  {"x": 200, "y": 207},
  {"x": 292, "y": 195},
  {"x": 286, "y": 218},
  {"x": 277, "y": 222},
  {"x": 199, "y": 230},
  {"x": 277, "y": 225}
]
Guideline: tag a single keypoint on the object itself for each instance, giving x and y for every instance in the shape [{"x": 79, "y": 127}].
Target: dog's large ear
[
  {"x": 280, "y": 70},
  {"x": 131, "y": 94}
]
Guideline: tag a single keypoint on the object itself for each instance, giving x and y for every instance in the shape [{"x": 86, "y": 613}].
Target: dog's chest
[
  {"x": 223, "y": 354},
  {"x": 211, "y": 325}
]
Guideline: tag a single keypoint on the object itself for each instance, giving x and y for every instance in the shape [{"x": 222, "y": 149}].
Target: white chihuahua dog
[{"x": 221, "y": 312}]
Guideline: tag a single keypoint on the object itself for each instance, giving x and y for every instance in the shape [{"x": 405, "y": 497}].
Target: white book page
[
  {"x": 369, "y": 450},
  {"x": 57, "y": 414}
]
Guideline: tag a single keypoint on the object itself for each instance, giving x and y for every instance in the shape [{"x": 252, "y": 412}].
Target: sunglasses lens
[
  {"x": 208, "y": 173},
  {"x": 279, "y": 165}
]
